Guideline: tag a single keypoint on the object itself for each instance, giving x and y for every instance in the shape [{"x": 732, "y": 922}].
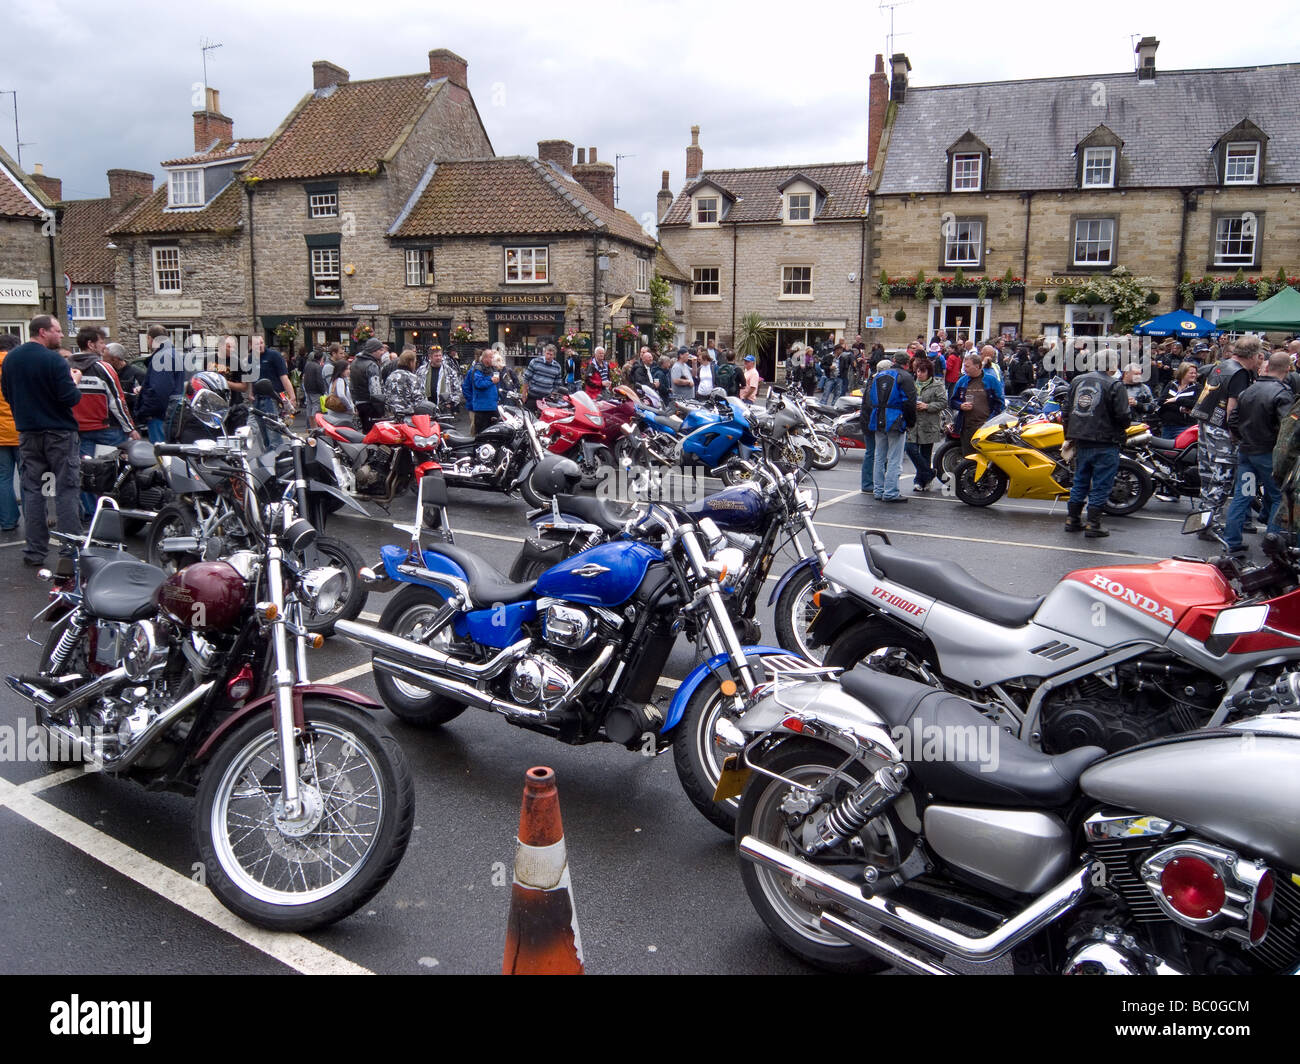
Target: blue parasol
[{"x": 1176, "y": 323}]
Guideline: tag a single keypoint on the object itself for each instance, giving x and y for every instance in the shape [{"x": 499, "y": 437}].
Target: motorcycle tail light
[
  {"x": 241, "y": 686},
  {"x": 794, "y": 724},
  {"x": 1193, "y": 887}
]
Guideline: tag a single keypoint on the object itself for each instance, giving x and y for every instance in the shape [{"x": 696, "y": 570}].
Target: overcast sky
[{"x": 112, "y": 85}]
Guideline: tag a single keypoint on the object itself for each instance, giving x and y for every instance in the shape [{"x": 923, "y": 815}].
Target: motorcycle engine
[
  {"x": 372, "y": 472},
  {"x": 539, "y": 679}
]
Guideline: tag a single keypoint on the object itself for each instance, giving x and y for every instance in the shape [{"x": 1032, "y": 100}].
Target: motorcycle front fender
[
  {"x": 981, "y": 466},
  {"x": 701, "y": 672},
  {"x": 343, "y": 696},
  {"x": 790, "y": 575},
  {"x": 342, "y": 496},
  {"x": 590, "y": 447},
  {"x": 525, "y": 471}
]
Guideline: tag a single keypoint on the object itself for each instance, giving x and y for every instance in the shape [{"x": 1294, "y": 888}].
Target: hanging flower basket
[
  {"x": 362, "y": 333},
  {"x": 285, "y": 333},
  {"x": 629, "y": 332},
  {"x": 462, "y": 334}
]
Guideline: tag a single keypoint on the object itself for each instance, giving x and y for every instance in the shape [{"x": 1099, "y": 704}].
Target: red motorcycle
[
  {"x": 579, "y": 430},
  {"x": 386, "y": 461}
]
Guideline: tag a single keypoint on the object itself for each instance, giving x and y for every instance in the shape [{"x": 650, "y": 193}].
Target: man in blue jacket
[
  {"x": 41, "y": 389},
  {"x": 166, "y": 378},
  {"x": 480, "y": 390},
  {"x": 888, "y": 411}
]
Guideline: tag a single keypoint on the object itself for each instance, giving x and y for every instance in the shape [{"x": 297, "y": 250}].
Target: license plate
[{"x": 733, "y": 779}]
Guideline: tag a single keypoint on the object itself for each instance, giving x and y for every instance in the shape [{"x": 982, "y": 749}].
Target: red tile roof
[
  {"x": 222, "y": 215},
  {"x": 346, "y": 129},
  {"x": 17, "y": 192},
  {"x": 756, "y": 192},
  {"x": 511, "y": 195},
  {"x": 237, "y": 149},
  {"x": 87, "y": 259}
]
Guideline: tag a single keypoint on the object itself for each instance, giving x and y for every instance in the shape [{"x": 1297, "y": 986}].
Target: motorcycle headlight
[
  {"x": 323, "y": 588},
  {"x": 424, "y": 441},
  {"x": 727, "y": 566}
]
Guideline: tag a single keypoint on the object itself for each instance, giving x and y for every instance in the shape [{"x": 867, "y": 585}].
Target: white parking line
[
  {"x": 346, "y": 674},
  {"x": 839, "y": 498},
  {"x": 44, "y": 783},
  {"x": 298, "y": 953}
]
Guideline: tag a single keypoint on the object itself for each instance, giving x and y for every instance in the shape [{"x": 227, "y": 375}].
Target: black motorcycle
[
  {"x": 504, "y": 457},
  {"x": 133, "y": 479},
  {"x": 1173, "y": 469}
]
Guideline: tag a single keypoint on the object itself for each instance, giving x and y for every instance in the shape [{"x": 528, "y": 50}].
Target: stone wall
[{"x": 25, "y": 256}]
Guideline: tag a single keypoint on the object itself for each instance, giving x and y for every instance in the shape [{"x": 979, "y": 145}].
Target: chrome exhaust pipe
[
  {"x": 159, "y": 725},
  {"x": 920, "y": 929},
  {"x": 72, "y": 699},
  {"x": 472, "y": 696},
  {"x": 28, "y": 690},
  {"x": 420, "y": 656},
  {"x": 179, "y": 544},
  {"x": 886, "y": 951}
]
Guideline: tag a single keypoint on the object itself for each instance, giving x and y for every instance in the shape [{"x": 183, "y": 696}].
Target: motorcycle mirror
[
  {"x": 1197, "y": 522},
  {"x": 1240, "y": 621}
]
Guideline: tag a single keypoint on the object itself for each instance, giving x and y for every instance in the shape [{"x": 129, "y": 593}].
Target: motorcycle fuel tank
[
  {"x": 607, "y": 575},
  {"x": 205, "y": 596},
  {"x": 1241, "y": 789},
  {"x": 738, "y": 509}
]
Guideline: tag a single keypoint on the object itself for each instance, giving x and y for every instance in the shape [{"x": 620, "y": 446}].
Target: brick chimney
[
  {"x": 447, "y": 64},
  {"x": 51, "y": 186},
  {"x": 877, "y": 106},
  {"x": 1146, "y": 53},
  {"x": 324, "y": 74},
  {"x": 899, "y": 67},
  {"x": 126, "y": 187},
  {"x": 694, "y": 155},
  {"x": 582, "y": 156},
  {"x": 596, "y": 178},
  {"x": 559, "y": 152},
  {"x": 210, "y": 125},
  {"x": 664, "y": 199}
]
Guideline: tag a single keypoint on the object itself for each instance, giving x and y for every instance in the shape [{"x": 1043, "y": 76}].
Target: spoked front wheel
[
  {"x": 702, "y": 740},
  {"x": 295, "y": 873},
  {"x": 796, "y": 611}
]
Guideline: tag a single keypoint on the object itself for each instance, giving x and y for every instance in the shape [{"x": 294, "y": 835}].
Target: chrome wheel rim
[
  {"x": 299, "y": 861},
  {"x": 413, "y": 625},
  {"x": 802, "y": 614},
  {"x": 711, "y": 748}
]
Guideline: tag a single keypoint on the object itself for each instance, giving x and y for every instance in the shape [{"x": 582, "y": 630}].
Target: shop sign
[
  {"x": 500, "y": 299},
  {"x": 15, "y": 291},
  {"x": 169, "y": 308}
]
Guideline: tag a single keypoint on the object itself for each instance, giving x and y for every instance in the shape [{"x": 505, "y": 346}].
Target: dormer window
[
  {"x": 799, "y": 206},
  {"x": 967, "y": 172},
  {"x": 185, "y": 188},
  {"x": 706, "y": 210},
  {"x": 1098, "y": 168},
  {"x": 1241, "y": 163}
]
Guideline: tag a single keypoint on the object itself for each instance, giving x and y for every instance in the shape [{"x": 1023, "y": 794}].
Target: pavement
[{"x": 98, "y": 874}]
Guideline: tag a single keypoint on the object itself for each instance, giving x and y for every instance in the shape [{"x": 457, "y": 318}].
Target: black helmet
[{"x": 556, "y": 475}]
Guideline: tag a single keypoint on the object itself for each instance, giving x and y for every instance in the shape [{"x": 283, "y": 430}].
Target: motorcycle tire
[
  {"x": 788, "y": 458},
  {"x": 791, "y": 912},
  {"x": 946, "y": 458},
  {"x": 826, "y": 452},
  {"x": 698, "y": 756},
  {"x": 857, "y": 642},
  {"x": 174, "y": 519},
  {"x": 593, "y": 468},
  {"x": 532, "y": 496},
  {"x": 795, "y": 612},
  {"x": 628, "y": 452},
  {"x": 255, "y": 873},
  {"x": 1132, "y": 489},
  {"x": 336, "y": 552},
  {"x": 409, "y": 703},
  {"x": 984, "y": 492},
  {"x": 732, "y": 474}
]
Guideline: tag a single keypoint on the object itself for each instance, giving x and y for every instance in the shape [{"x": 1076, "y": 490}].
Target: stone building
[
  {"x": 1032, "y": 189},
  {"x": 89, "y": 253},
  {"x": 788, "y": 243},
  {"x": 183, "y": 252},
  {"x": 30, "y": 271},
  {"x": 679, "y": 283},
  {"x": 522, "y": 251},
  {"x": 327, "y": 188}
]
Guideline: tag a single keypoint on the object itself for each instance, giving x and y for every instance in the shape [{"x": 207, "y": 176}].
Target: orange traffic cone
[{"x": 542, "y": 934}]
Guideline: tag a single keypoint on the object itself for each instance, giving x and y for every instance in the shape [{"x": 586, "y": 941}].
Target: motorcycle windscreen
[{"x": 606, "y": 575}]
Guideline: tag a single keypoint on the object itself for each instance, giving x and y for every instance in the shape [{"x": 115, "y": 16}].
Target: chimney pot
[
  {"x": 324, "y": 74},
  {"x": 444, "y": 63},
  {"x": 694, "y": 155},
  {"x": 899, "y": 66},
  {"x": 1146, "y": 53},
  {"x": 591, "y": 155},
  {"x": 38, "y": 170},
  {"x": 665, "y": 181},
  {"x": 695, "y": 134},
  {"x": 210, "y": 125},
  {"x": 664, "y": 198},
  {"x": 582, "y": 156}
]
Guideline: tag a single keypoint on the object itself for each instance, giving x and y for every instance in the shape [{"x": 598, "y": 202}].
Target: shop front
[
  {"x": 20, "y": 301},
  {"x": 787, "y": 333},
  {"x": 524, "y": 332},
  {"x": 420, "y": 332},
  {"x": 520, "y": 322},
  {"x": 323, "y": 330}
]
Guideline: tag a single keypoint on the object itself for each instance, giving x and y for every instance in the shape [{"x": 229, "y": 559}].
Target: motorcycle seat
[
  {"x": 123, "y": 591},
  {"x": 349, "y": 433},
  {"x": 487, "y": 585},
  {"x": 140, "y": 454},
  {"x": 455, "y": 439},
  {"x": 93, "y": 559},
  {"x": 335, "y": 418},
  {"x": 979, "y": 763},
  {"x": 952, "y": 585},
  {"x": 594, "y": 511}
]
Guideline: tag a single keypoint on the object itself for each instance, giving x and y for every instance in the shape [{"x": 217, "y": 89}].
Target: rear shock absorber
[
  {"x": 858, "y": 807},
  {"x": 68, "y": 640}
]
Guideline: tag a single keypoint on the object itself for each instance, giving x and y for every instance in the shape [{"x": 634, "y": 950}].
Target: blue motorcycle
[{"x": 577, "y": 653}]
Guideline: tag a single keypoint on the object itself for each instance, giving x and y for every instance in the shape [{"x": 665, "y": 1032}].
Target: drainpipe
[
  {"x": 734, "y": 234},
  {"x": 252, "y": 265},
  {"x": 595, "y": 289},
  {"x": 1024, "y": 266},
  {"x": 862, "y": 275},
  {"x": 60, "y": 314},
  {"x": 1182, "y": 250}
]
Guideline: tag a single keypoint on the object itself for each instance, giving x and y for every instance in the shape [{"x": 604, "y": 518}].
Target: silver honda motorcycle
[{"x": 876, "y": 807}]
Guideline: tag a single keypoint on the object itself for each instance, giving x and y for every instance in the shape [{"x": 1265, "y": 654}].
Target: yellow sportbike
[{"x": 1022, "y": 460}]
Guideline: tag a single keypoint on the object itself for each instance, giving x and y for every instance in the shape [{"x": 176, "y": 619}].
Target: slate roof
[
  {"x": 666, "y": 268},
  {"x": 346, "y": 129},
  {"x": 756, "y": 192},
  {"x": 17, "y": 192},
  {"x": 87, "y": 258},
  {"x": 509, "y": 195},
  {"x": 1169, "y": 127},
  {"x": 222, "y": 215},
  {"x": 226, "y": 149}
]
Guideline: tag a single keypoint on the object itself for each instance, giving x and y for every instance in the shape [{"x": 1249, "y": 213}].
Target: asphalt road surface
[{"x": 97, "y": 872}]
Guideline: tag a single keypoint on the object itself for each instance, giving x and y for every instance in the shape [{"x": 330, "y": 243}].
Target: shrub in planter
[{"x": 900, "y": 315}]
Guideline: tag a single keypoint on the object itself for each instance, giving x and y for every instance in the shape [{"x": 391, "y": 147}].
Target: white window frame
[
  {"x": 162, "y": 270},
  {"x": 18, "y": 328},
  {"x": 1223, "y": 257},
  {"x": 326, "y": 272},
  {"x": 790, "y": 208},
  {"x": 935, "y": 317},
  {"x": 1075, "y": 241},
  {"x": 1214, "y": 309},
  {"x": 677, "y": 299},
  {"x": 1253, "y": 177},
  {"x": 1087, "y": 315},
  {"x": 789, "y": 281},
  {"x": 323, "y": 205},
  {"x": 707, "y": 337},
  {"x": 419, "y": 267},
  {"x": 976, "y": 243},
  {"x": 966, "y": 156},
  {"x": 642, "y": 275},
  {"x": 1108, "y": 154},
  {"x": 697, "y": 206},
  {"x": 714, "y": 297},
  {"x": 185, "y": 192},
  {"x": 88, "y": 302},
  {"x": 523, "y": 262}
]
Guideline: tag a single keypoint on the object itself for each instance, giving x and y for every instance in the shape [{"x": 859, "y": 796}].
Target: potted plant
[
  {"x": 285, "y": 334},
  {"x": 362, "y": 333},
  {"x": 749, "y": 337}
]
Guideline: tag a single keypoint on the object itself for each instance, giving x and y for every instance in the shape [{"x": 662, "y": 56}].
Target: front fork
[
  {"x": 719, "y": 633},
  {"x": 286, "y": 728}
]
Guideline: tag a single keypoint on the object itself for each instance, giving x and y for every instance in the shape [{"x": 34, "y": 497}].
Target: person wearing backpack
[
  {"x": 888, "y": 412},
  {"x": 1095, "y": 415},
  {"x": 1216, "y": 451},
  {"x": 728, "y": 376}
]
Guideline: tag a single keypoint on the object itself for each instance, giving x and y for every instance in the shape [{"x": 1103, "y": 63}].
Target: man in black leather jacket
[
  {"x": 1254, "y": 422},
  {"x": 1095, "y": 415}
]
